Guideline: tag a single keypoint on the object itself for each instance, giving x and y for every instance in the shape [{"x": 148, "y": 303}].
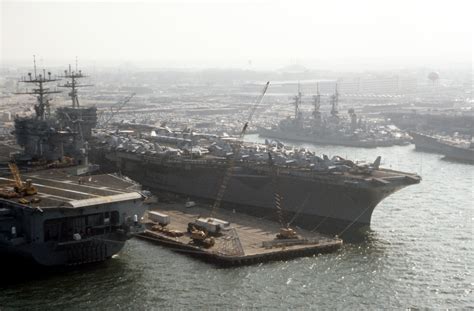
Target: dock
[{"x": 249, "y": 240}]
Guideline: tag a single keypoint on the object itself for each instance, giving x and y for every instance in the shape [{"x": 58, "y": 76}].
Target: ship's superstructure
[
  {"x": 76, "y": 117},
  {"x": 62, "y": 213},
  {"x": 333, "y": 129},
  {"x": 39, "y": 136}
]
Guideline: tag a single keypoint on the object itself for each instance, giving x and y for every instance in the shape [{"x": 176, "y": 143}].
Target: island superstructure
[{"x": 53, "y": 209}]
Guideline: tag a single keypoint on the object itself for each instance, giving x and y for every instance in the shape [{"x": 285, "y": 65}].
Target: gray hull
[
  {"x": 325, "y": 140},
  {"x": 326, "y": 201},
  {"x": 73, "y": 253},
  {"x": 460, "y": 154},
  {"x": 451, "y": 152}
]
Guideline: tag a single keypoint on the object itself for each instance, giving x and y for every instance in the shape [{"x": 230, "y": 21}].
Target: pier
[{"x": 249, "y": 240}]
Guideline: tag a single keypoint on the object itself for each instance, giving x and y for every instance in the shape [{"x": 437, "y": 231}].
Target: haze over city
[{"x": 240, "y": 34}]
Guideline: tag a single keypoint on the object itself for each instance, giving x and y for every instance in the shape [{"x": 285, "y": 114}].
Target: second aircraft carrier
[{"x": 317, "y": 192}]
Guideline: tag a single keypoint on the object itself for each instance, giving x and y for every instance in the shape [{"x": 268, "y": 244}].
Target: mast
[
  {"x": 78, "y": 118},
  {"x": 317, "y": 101},
  {"x": 297, "y": 102},
  {"x": 73, "y": 84},
  {"x": 317, "y": 105},
  {"x": 42, "y": 108}
]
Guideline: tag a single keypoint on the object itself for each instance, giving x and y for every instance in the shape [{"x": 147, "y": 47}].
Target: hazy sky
[{"x": 230, "y": 33}]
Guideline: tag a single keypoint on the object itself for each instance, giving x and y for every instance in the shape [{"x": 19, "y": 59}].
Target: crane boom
[
  {"x": 119, "y": 107},
  {"x": 228, "y": 172},
  {"x": 16, "y": 175},
  {"x": 21, "y": 188}
]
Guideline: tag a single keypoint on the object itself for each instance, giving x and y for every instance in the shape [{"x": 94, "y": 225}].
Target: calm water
[{"x": 418, "y": 253}]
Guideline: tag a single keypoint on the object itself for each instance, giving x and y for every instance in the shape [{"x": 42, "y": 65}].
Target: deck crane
[
  {"x": 118, "y": 106},
  {"x": 201, "y": 227},
  {"x": 23, "y": 189},
  {"x": 228, "y": 172},
  {"x": 285, "y": 231}
]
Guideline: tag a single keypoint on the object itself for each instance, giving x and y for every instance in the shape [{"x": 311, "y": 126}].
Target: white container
[
  {"x": 160, "y": 218},
  {"x": 213, "y": 225}
]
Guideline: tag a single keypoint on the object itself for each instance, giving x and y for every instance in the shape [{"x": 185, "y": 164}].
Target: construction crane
[
  {"x": 23, "y": 189},
  {"x": 118, "y": 106},
  {"x": 285, "y": 231},
  {"x": 228, "y": 173},
  {"x": 201, "y": 228}
]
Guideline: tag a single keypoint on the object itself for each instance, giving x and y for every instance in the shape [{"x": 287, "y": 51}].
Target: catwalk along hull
[
  {"x": 324, "y": 200},
  {"x": 327, "y": 140}
]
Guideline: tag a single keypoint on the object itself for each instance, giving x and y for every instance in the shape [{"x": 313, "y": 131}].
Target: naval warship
[
  {"x": 328, "y": 194},
  {"x": 54, "y": 209},
  {"x": 461, "y": 151},
  {"x": 332, "y": 130}
]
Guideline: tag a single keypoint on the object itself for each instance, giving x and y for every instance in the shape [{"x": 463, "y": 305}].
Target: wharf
[{"x": 250, "y": 240}]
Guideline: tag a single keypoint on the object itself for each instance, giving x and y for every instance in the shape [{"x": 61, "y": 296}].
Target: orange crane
[{"x": 23, "y": 189}]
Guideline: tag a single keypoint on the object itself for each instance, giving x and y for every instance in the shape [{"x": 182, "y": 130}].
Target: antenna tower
[
  {"x": 42, "y": 108},
  {"x": 73, "y": 84}
]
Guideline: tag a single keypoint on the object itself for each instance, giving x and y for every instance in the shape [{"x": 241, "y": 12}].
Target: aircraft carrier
[
  {"x": 317, "y": 192},
  {"x": 53, "y": 209},
  {"x": 66, "y": 222}
]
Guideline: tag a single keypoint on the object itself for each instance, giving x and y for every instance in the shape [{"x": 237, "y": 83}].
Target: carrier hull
[
  {"x": 326, "y": 201},
  {"x": 69, "y": 222}
]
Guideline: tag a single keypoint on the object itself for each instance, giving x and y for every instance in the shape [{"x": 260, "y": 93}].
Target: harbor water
[{"x": 418, "y": 253}]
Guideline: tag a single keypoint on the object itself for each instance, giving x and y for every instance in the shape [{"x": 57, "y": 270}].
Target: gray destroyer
[
  {"x": 53, "y": 209},
  {"x": 332, "y": 130}
]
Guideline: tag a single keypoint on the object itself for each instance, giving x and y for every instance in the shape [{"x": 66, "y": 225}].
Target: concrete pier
[{"x": 250, "y": 240}]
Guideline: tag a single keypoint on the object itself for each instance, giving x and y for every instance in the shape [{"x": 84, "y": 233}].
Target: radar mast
[
  {"x": 42, "y": 108},
  {"x": 317, "y": 105},
  {"x": 73, "y": 84},
  {"x": 334, "y": 104}
]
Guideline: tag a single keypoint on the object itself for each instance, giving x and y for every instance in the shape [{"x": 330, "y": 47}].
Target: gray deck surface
[{"x": 56, "y": 187}]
